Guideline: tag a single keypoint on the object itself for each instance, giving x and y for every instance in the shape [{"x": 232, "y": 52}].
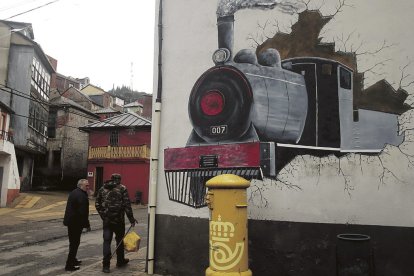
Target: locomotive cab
[{"x": 330, "y": 102}]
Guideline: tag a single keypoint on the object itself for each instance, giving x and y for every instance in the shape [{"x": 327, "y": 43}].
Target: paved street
[{"x": 33, "y": 240}]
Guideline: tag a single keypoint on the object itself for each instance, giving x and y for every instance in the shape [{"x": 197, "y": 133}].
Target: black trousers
[
  {"x": 108, "y": 232},
  {"x": 74, "y": 234}
]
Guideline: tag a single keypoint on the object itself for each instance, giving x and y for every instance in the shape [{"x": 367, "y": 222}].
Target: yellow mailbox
[{"x": 227, "y": 201}]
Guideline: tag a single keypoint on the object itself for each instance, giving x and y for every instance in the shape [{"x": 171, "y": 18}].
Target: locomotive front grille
[{"x": 188, "y": 186}]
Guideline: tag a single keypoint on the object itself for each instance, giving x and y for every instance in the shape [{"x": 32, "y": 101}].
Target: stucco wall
[
  {"x": 10, "y": 179},
  {"x": 357, "y": 185},
  {"x": 134, "y": 171},
  {"x": 126, "y": 137}
]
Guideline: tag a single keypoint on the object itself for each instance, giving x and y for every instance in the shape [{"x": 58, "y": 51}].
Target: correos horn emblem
[{"x": 222, "y": 256}]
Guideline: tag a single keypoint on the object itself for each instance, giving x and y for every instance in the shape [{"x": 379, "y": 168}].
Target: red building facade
[{"x": 120, "y": 144}]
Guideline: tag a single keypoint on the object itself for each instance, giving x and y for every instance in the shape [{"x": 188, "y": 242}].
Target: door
[
  {"x": 98, "y": 179},
  {"x": 310, "y": 132}
]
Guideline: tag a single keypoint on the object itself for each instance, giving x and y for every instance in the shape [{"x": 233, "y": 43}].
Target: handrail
[
  {"x": 120, "y": 152},
  {"x": 6, "y": 136}
]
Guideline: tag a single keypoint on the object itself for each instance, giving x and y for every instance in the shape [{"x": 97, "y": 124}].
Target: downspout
[
  {"x": 62, "y": 150},
  {"x": 155, "y": 143}
]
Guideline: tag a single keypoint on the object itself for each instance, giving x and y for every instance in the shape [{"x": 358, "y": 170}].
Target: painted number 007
[{"x": 217, "y": 130}]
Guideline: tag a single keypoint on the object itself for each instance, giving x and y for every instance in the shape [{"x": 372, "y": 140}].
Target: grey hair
[{"x": 81, "y": 181}]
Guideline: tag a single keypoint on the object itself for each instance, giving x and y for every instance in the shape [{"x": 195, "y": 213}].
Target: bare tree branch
[
  {"x": 405, "y": 75},
  {"x": 345, "y": 40},
  {"x": 383, "y": 46},
  {"x": 373, "y": 67},
  {"x": 306, "y": 3},
  {"x": 341, "y": 4}
]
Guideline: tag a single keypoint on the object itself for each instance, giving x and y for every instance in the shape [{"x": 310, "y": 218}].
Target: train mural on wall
[{"x": 253, "y": 112}]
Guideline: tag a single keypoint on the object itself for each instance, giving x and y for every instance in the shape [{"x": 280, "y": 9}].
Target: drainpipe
[
  {"x": 155, "y": 142},
  {"x": 63, "y": 145}
]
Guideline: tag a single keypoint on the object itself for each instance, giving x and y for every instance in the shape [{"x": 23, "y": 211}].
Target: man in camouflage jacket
[{"x": 112, "y": 203}]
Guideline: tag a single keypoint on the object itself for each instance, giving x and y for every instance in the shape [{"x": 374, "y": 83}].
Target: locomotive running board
[{"x": 188, "y": 169}]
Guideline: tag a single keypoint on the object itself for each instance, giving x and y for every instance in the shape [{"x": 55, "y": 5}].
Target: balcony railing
[
  {"x": 6, "y": 136},
  {"x": 126, "y": 152}
]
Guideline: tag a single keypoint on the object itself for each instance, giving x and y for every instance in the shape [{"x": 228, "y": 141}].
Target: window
[
  {"x": 56, "y": 158},
  {"x": 37, "y": 117},
  {"x": 114, "y": 138},
  {"x": 51, "y": 129},
  {"x": 345, "y": 78},
  {"x": 327, "y": 69},
  {"x": 356, "y": 115},
  {"x": 40, "y": 79}
]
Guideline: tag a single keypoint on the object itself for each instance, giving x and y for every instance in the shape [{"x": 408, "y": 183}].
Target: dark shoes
[
  {"x": 122, "y": 263},
  {"x": 72, "y": 268},
  {"x": 77, "y": 262}
]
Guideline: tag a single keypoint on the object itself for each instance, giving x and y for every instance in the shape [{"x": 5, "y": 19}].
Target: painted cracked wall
[
  {"x": 378, "y": 115},
  {"x": 317, "y": 193}
]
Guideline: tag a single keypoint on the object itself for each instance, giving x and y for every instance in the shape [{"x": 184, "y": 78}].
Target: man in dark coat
[
  {"x": 112, "y": 203},
  {"x": 76, "y": 218}
]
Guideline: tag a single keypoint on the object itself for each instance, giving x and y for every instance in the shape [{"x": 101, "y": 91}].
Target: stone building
[
  {"x": 80, "y": 98},
  {"x": 63, "y": 82},
  {"x": 67, "y": 147}
]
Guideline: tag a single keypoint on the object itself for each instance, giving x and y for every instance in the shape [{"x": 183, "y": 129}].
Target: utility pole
[{"x": 132, "y": 76}]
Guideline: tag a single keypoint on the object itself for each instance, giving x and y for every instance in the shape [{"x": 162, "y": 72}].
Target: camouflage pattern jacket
[{"x": 112, "y": 203}]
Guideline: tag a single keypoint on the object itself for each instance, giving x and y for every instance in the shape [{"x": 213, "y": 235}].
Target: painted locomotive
[
  {"x": 251, "y": 114},
  {"x": 300, "y": 102}
]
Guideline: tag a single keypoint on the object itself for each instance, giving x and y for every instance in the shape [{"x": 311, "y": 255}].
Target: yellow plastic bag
[{"x": 131, "y": 242}]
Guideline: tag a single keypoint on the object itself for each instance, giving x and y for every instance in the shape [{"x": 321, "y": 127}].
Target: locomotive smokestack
[
  {"x": 227, "y": 8},
  {"x": 225, "y": 27},
  {"x": 230, "y": 7}
]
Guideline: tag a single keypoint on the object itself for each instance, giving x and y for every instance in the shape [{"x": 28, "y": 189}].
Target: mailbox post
[{"x": 228, "y": 237}]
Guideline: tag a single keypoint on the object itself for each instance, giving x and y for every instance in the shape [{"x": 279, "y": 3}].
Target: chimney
[{"x": 225, "y": 27}]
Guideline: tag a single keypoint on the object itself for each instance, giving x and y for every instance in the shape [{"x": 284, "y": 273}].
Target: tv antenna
[{"x": 132, "y": 76}]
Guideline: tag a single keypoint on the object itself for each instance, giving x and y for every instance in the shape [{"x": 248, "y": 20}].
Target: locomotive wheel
[{"x": 220, "y": 103}]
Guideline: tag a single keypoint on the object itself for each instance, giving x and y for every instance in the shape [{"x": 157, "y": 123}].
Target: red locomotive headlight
[
  {"x": 212, "y": 103},
  {"x": 220, "y": 104}
]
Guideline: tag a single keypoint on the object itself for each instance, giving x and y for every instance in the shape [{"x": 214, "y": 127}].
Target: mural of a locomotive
[{"x": 247, "y": 107}]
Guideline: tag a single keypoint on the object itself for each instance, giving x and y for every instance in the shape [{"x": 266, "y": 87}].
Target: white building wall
[
  {"x": 11, "y": 180},
  {"x": 356, "y": 189}
]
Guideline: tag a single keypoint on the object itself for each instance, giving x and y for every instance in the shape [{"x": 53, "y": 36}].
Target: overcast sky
[{"x": 111, "y": 42}]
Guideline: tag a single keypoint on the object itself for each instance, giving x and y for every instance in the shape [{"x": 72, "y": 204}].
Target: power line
[
  {"x": 16, "y": 5},
  {"x": 44, "y": 121},
  {"x": 20, "y": 94},
  {"x": 43, "y": 102},
  {"x": 36, "y": 8}
]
